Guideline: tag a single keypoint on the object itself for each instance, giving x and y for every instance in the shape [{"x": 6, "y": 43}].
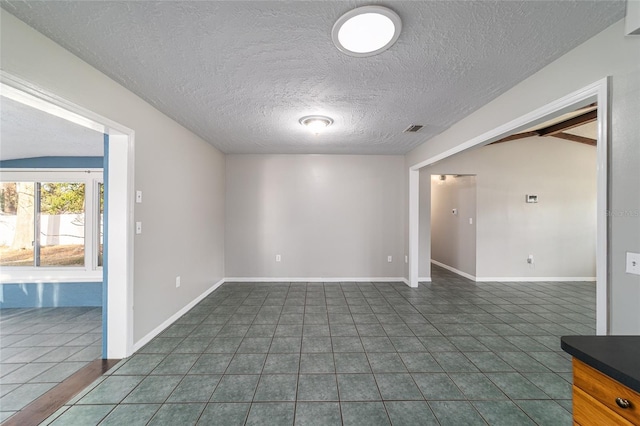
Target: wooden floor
[{"x": 47, "y": 404}]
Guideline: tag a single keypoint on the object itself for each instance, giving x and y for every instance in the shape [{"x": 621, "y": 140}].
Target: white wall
[
  {"x": 328, "y": 216},
  {"x": 181, "y": 175},
  {"x": 609, "y": 53},
  {"x": 560, "y": 230},
  {"x": 624, "y": 207},
  {"x": 453, "y": 238}
]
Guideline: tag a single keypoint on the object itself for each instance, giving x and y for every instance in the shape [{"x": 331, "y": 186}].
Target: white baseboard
[
  {"x": 312, "y": 279},
  {"x": 454, "y": 270},
  {"x": 146, "y": 339},
  {"x": 534, "y": 279}
]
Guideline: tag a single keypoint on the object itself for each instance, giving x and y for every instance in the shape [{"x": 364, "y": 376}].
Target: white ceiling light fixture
[
  {"x": 366, "y": 31},
  {"x": 316, "y": 123}
]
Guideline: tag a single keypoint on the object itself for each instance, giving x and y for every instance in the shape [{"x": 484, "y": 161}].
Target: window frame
[{"x": 90, "y": 272}]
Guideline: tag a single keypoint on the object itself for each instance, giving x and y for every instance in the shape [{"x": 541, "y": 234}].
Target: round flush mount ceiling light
[
  {"x": 366, "y": 31},
  {"x": 316, "y": 123}
]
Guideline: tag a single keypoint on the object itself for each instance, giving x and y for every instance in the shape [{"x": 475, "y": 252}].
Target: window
[
  {"x": 100, "y": 223},
  {"x": 51, "y": 221},
  {"x": 17, "y": 223}
]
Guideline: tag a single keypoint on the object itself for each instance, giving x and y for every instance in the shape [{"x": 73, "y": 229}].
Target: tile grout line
[{"x": 400, "y": 311}]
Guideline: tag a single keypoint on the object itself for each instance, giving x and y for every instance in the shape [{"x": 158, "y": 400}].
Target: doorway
[
  {"x": 118, "y": 214},
  {"x": 595, "y": 93},
  {"x": 453, "y": 223}
]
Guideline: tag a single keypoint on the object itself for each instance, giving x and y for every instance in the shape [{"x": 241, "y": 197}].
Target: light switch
[
  {"x": 633, "y": 263},
  {"x": 138, "y": 227},
  {"x": 138, "y": 197}
]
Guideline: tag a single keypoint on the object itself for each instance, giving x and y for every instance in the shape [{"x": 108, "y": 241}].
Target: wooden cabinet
[{"x": 599, "y": 400}]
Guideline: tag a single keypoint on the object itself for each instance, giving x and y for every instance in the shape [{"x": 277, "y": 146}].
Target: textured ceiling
[
  {"x": 241, "y": 74},
  {"x": 26, "y": 132}
]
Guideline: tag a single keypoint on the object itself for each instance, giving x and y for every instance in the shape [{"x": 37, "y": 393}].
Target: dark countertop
[{"x": 616, "y": 356}]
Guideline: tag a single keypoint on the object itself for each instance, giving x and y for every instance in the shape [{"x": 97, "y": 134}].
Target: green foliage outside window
[{"x": 61, "y": 198}]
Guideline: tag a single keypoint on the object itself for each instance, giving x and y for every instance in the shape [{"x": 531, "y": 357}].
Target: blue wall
[
  {"x": 50, "y": 295},
  {"x": 54, "y": 163}
]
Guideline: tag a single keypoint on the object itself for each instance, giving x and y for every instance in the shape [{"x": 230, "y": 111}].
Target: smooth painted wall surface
[
  {"x": 181, "y": 176},
  {"x": 50, "y": 295},
  {"x": 424, "y": 229},
  {"x": 609, "y": 53},
  {"x": 328, "y": 216},
  {"x": 559, "y": 230},
  {"x": 453, "y": 238},
  {"x": 624, "y": 207}
]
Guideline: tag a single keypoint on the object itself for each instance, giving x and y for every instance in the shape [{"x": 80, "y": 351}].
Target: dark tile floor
[
  {"x": 450, "y": 352},
  {"x": 40, "y": 347}
]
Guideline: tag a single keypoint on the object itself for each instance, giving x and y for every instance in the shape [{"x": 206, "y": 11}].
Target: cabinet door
[
  {"x": 605, "y": 390},
  {"x": 589, "y": 412}
]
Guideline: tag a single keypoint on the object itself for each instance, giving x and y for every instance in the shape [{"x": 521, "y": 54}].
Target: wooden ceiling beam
[
  {"x": 575, "y": 138},
  {"x": 557, "y": 130},
  {"x": 569, "y": 124},
  {"x": 515, "y": 137}
]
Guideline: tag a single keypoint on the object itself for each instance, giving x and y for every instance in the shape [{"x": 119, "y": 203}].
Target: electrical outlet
[
  {"x": 278, "y": 258},
  {"x": 138, "y": 197},
  {"x": 633, "y": 263},
  {"x": 530, "y": 259},
  {"x": 138, "y": 227},
  {"x": 178, "y": 281},
  {"x": 389, "y": 259},
  {"x": 454, "y": 212}
]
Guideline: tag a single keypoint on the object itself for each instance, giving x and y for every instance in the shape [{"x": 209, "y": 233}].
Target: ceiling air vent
[{"x": 413, "y": 128}]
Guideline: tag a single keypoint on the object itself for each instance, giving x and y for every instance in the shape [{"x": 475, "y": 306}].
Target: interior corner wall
[
  {"x": 181, "y": 175},
  {"x": 559, "y": 230},
  {"x": 328, "y": 216},
  {"x": 453, "y": 235},
  {"x": 608, "y": 54}
]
